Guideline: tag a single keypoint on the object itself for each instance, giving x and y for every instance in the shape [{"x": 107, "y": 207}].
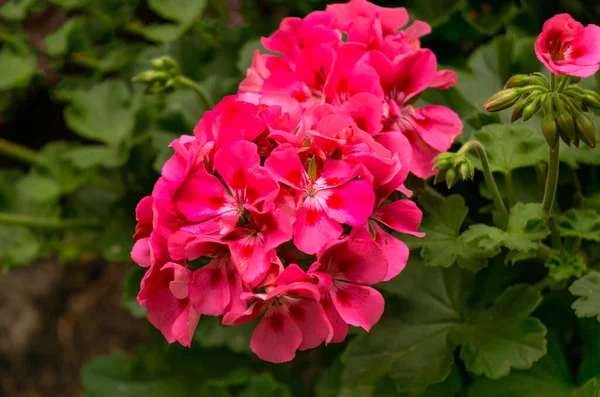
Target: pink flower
[
  {"x": 324, "y": 201},
  {"x": 565, "y": 46},
  {"x": 344, "y": 269},
  {"x": 293, "y": 318},
  {"x": 168, "y": 305}
]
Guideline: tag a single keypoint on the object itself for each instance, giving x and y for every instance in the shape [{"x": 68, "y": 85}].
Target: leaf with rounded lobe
[
  {"x": 265, "y": 385},
  {"x": 412, "y": 346},
  {"x": 57, "y": 43},
  {"x": 580, "y": 223},
  {"x": 16, "y": 10},
  {"x": 18, "y": 69},
  {"x": 19, "y": 246},
  {"x": 503, "y": 336},
  {"x": 91, "y": 156},
  {"x": 587, "y": 289},
  {"x": 510, "y": 147},
  {"x": 182, "y": 11},
  {"x": 105, "y": 113},
  {"x": 441, "y": 245},
  {"x": 210, "y": 333},
  {"x": 50, "y": 162}
]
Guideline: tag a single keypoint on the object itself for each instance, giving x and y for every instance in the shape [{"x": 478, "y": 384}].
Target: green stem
[
  {"x": 562, "y": 81},
  {"x": 576, "y": 245},
  {"x": 45, "y": 223},
  {"x": 17, "y": 152},
  {"x": 554, "y": 232},
  {"x": 551, "y": 179},
  {"x": 510, "y": 195},
  {"x": 187, "y": 82},
  {"x": 578, "y": 197},
  {"x": 552, "y": 82},
  {"x": 544, "y": 252},
  {"x": 488, "y": 175}
]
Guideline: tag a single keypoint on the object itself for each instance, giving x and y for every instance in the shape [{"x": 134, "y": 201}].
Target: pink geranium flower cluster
[{"x": 281, "y": 204}]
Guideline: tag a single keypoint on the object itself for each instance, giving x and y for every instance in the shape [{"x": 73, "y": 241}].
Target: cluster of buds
[
  {"x": 453, "y": 167},
  {"x": 164, "y": 77},
  {"x": 565, "y": 106}
]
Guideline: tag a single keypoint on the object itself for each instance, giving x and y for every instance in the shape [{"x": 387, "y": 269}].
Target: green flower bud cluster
[
  {"x": 452, "y": 167},
  {"x": 163, "y": 78},
  {"x": 565, "y": 107}
]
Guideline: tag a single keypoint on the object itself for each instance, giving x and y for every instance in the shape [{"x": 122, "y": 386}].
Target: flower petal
[
  {"x": 276, "y": 337},
  {"x": 358, "y": 305}
]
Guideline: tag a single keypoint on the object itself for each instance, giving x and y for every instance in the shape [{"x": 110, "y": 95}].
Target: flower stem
[
  {"x": 488, "y": 175},
  {"x": 17, "y": 152},
  {"x": 562, "y": 81},
  {"x": 187, "y": 82},
  {"x": 544, "y": 252},
  {"x": 45, "y": 223},
  {"x": 551, "y": 180}
]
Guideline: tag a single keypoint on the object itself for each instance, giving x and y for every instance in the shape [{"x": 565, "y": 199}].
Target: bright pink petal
[
  {"x": 276, "y": 337},
  {"x": 403, "y": 216},
  {"x": 201, "y": 197},
  {"x": 140, "y": 252},
  {"x": 351, "y": 203},
  {"x": 312, "y": 321},
  {"x": 437, "y": 126},
  {"x": 250, "y": 258},
  {"x": 181, "y": 280},
  {"x": 313, "y": 227},
  {"x": 209, "y": 290},
  {"x": 444, "y": 79},
  {"x": 338, "y": 325},
  {"x": 232, "y": 162},
  {"x": 285, "y": 164},
  {"x": 358, "y": 305},
  {"x": 395, "y": 251},
  {"x": 261, "y": 189}
]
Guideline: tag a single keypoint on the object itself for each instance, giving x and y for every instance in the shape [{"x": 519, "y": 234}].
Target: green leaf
[
  {"x": 37, "y": 195},
  {"x": 210, "y": 333},
  {"x": 91, "y": 156},
  {"x": 510, "y": 147},
  {"x": 589, "y": 332},
  {"x": 17, "y": 69},
  {"x": 580, "y": 223},
  {"x": 247, "y": 54},
  {"x": 183, "y": 11},
  {"x": 68, "y": 5},
  {"x": 19, "y": 246},
  {"x": 160, "y": 142},
  {"x": 50, "y": 162},
  {"x": 116, "y": 375},
  {"x": 587, "y": 289},
  {"x": 435, "y": 12},
  {"x": 57, "y": 43},
  {"x": 330, "y": 385},
  {"x": 104, "y": 113},
  {"x": 163, "y": 32},
  {"x": 549, "y": 377},
  {"x": 441, "y": 245},
  {"x": 503, "y": 337},
  {"x": 562, "y": 266},
  {"x": 265, "y": 385},
  {"x": 435, "y": 302},
  {"x": 16, "y": 10}
]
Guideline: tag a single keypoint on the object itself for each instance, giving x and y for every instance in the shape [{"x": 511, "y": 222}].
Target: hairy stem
[
  {"x": 551, "y": 180},
  {"x": 45, "y": 223},
  {"x": 488, "y": 175}
]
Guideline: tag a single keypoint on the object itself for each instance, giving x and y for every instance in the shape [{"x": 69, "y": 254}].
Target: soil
[{"x": 54, "y": 319}]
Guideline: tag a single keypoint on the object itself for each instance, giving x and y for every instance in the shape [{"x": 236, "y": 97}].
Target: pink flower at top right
[{"x": 566, "y": 46}]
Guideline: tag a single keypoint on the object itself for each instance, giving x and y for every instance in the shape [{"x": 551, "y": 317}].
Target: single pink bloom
[
  {"x": 168, "y": 308},
  {"x": 216, "y": 288},
  {"x": 293, "y": 318},
  {"x": 250, "y": 187},
  {"x": 348, "y": 266},
  {"x": 565, "y": 46},
  {"x": 333, "y": 197}
]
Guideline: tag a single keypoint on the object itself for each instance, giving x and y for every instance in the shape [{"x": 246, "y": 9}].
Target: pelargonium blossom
[
  {"x": 566, "y": 46},
  {"x": 283, "y": 204}
]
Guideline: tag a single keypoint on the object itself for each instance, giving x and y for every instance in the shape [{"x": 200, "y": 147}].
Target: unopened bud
[
  {"x": 466, "y": 170},
  {"x": 150, "y": 76},
  {"x": 443, "y": 160},
  {"x": 440, "y": 176},
  {"x": 451, "y": 177},
  {"x": 533, "y": 107},
  {"x": 502, "y": 100},
  {"x": 564, "y": 119},
  {"x": 590, "y": 101},
  {"x": 518, "y": 110},
  {"x": 585, "y": 129},
  {"x": 550, "y": 130},
  {"x": 522, "y": 80},
  {"x": 165, "y": 63}
]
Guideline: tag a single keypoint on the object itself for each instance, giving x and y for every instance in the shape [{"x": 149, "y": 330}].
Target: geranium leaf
[
  {"x": 503, "y": 336},
  {"x": 182, "y": 11},
  {"x": 441, "y": 245},
  {"x": 265, "y": 385},
  {"x": 510, "y": 147},
  {"x": 57, "y": 43},
  {"x": 18, "y": 68},
  {"x": 580, "y": 223},
  {"x": 587, "y": 289},
  {"x": 105, "y": 113},
  {"x": 435, "y": 303},
  {"x": 19, "y": 246}
]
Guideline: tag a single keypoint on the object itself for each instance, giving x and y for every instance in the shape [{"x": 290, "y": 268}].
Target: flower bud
[
  {"x": 451, "y": 177},
  {"x": 585, "y": 128},
  {"x": 533, "y": 107},
  {"x": 522, "y": 80},
  {"x": 502, "y": 100},
  {"x": 440, "y": 176},
  {"x": 443, "y": 160},
  {"x": 564, "y": 119},
  {"x": 466, "y": 170},
  {"x": 518, "y": 110},
  {"x": 550, "y": 130},
  {"x": 590, "y": 101}
]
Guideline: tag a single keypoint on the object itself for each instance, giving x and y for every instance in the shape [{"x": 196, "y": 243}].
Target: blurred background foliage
[{"x": 80, "y": 144}]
